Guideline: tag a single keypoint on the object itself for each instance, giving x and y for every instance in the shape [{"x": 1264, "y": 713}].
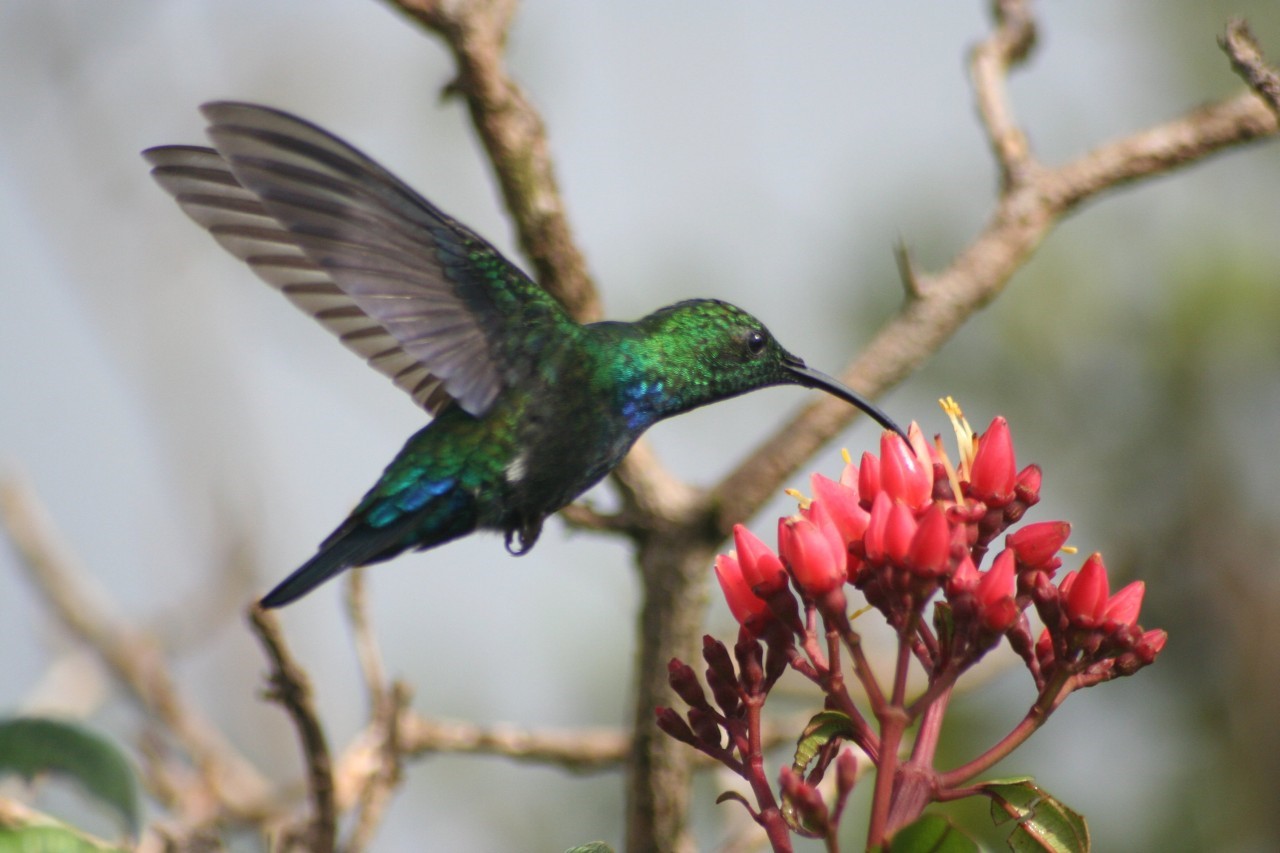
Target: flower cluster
[{"x": 905, "y": 528}]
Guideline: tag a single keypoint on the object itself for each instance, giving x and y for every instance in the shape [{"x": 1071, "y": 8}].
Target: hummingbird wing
[{"x": 426, "y": 301}]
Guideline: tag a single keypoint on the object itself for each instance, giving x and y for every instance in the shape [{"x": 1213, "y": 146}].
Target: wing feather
[{"x": 395, "y": 279}]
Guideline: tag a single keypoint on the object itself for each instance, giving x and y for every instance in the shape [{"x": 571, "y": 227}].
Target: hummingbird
[{"x": 529, "y": 408}]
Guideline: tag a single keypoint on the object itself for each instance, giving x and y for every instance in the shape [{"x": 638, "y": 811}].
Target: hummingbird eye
[{"x": 755, "y": 341}]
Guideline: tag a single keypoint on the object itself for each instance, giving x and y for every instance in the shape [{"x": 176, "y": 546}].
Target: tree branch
[
  {"x": 1026, "y": 211},
  {"x": 1247, "y": 60},
  {"x": 290, "y": 687},
  {"x": 227, "y": 780}
]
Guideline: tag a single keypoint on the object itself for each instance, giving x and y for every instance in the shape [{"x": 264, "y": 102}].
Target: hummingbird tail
[{"x": 349, "y": 546}]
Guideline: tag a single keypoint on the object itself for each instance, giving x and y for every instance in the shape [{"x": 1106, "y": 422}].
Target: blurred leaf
[
  {"x": 932, "y": 834},
  {"x": 824, "y": 726},
  {"x": 589, "y": 847},
  {"x": 46, "y": 839},
  {"x": 30, "y": 746},
  {"x": 1044, "y": 823}
]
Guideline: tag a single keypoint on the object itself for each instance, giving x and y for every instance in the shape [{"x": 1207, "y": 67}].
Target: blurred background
[{"x": 194, "y": 436}]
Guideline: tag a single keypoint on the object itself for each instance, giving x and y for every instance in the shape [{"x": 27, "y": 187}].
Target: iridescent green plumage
[{"x": 531, "y": 408}]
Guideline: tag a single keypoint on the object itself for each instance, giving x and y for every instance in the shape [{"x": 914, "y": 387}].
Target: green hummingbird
[{"x": 530, "y": 408}]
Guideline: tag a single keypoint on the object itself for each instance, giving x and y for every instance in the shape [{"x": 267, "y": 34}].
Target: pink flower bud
[
  {"x": 1028, "y": 486},
  {"x": 906, "y": 477},
  {"x": 993, "y": 475},
  {"x": 812, "y": 549},
  {"x": 873, "y": 540},
  {"x": 849, "y": 475},
  {"x": 995, "y": 594},
  {"x": 751, "y": 612},
  {"x": 1044, "y": 649},
  {"x": 1150, "y": 644},
  {"x": 869, "y": 478},
  {"x": 846, "y": 773},
  {"x": 924, "y": 451},
  {"x": 805, "y": 799},
  {"x": 1087, "y": 593},
  {"x": 1123, "y": 607},
  {"x": 1037, "y": 545},
  {"x": 931, "y": 545},
  {"x": 964, "y": 579},
  {"x": 898, "y": 533},
  {"x": 761, "y": 568},
  {"x": 842, "y": 505}
]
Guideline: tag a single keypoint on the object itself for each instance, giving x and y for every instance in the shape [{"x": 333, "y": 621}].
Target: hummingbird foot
[{"x": 527, "y": 532}]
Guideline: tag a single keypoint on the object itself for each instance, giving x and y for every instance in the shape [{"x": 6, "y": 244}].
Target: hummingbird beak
[{"x": 804, "y": 375}]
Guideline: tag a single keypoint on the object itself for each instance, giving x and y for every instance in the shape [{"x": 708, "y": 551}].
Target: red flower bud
[
  {"x": 761, "y": 568},
  {"x": 898, "y": 533},
  {"x": 806, "y": 800},
  {"x": 1150, "y": 644},
  {"x": 993, "y": 475},
  {"x": 1037, "y": 545},
  {"x": 906, "y": 477},
  {"x": 1087, "y": 593},
  {"x": 869, "y": 478},
  {"x": 751, "y": 611},
  {"x": 685, "y": 683},
  {"x": 673, "y": 724},
  {"x": 841, "y": 503},
  {"x": 964, "y": 579},
  {"x": 873, "y": 540},
  {"x": 995, "y": 594},
  {"x": 1028, "y": 486},
  {"x": 924, "y": 451},
  {"x": 846, "y": 773},
  {"x": 931, "y": 545},
  {"x": 813, "y": 550},
  {"x": 1123, "y": 607},
  {"x": 849, "y": 475}
]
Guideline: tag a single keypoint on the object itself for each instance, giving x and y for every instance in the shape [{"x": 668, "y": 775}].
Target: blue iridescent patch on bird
[
  {"x": 640, "y": 403},
  {"x": 417, "y": 495}
]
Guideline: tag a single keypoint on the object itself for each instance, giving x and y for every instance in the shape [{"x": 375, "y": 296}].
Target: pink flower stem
[
  {"x": 770, "y": 816},
  {"x": 833, "y": 686},
  {"x": 1049, "y": 700},
  {"x": 901, "y": 669},
  {"x": 861, "y": 667},
  {"x": 893, "y": 723},
  {"x": 810, "y": 640}
]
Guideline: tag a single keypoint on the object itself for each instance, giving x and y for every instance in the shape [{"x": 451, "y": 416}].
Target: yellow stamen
[
  {"x": 799, "y": 496},
  {"x": 855, "y": 614},
  {"x": 965, "y": 439},
  {"x": 1069, "y": 549},
  {"x": 844, "y": 454}
]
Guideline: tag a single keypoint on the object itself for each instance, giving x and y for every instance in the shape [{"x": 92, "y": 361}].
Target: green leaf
[
  {"x": 45, "y": 839},
  {"x": 30, "y": 746},
  {"x": 824, "y": 726},
  {"x": 932, "y": 834},
  {"x": 1043, "y": 822},
  {"x": 589, "y": 847}
]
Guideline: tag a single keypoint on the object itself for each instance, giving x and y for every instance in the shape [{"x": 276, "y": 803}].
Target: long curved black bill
[{"x": 810, "y": 378}]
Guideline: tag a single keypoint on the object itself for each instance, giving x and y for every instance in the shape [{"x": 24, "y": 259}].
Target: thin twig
[
  {"x": 515, "y": 138},
  {"x": 387, "y": 771},
  {"x": 367, "y": 652},
  {"x": 372, "y": 765},
  {"x": 1247, "y": 60},
  {"x": 228, "y": 780},
  {"x": 291, "y": 688},
  {"x": 1009, "y": 44},
  {"x": 1023, "y": 216}
]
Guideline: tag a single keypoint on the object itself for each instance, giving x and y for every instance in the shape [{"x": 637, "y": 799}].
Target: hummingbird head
[{"x": 710, "y": 350}]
